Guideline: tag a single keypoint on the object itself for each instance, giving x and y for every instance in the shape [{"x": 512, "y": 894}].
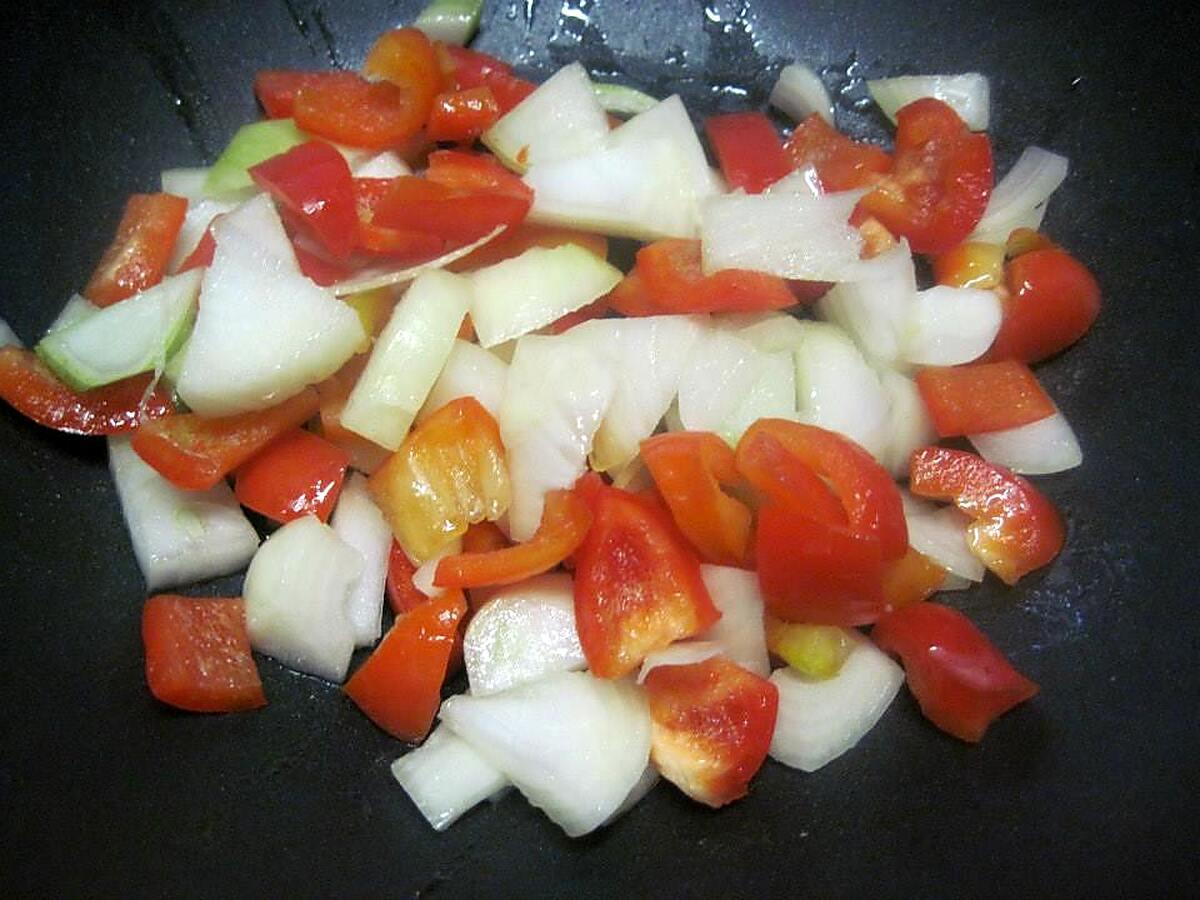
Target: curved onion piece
[
  {"x": 681, "y": 653},
  {"x": 1021, "y": 194},
  {"x": 357, "y": 521},
  {"x": 445, "y": 777},
  {"x": 383, "y": 276},
  {"x": 1040, "y": 448},
  {"x": 951, "y": 325},
  {"x": 573, "y": 744},
  {"x": 968, "y": 95},
  {"x": 876, "y": 307},
  {"x": 799, "y": 92},
  {"x": 718, "y": 376},
  {"x": 910, "y": 427},
  {"x": 524, "y": 632},
  {"x": 469, "y": 371},
  {"x": 739, "y": 632},
  {"x": 819, "y": 720},
  {"x": 941, "y": 534}
]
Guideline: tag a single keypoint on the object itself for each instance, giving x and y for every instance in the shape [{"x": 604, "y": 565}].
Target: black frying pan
[{"x": 1088, "y": 790}]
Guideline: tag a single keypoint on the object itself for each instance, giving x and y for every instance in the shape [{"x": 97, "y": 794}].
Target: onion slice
[
  {"x": 875, "y": 307},
  {"x": 1043, "y": 447},
  {"x": 1019, "y": 199},
  {"x": 681, "y": 653},
  {"x": 951, "y": 325},
  {"x": 450, "y": 21},
  {"x": 799, "y": 92},
  {"x": 573, "y": 744},
  {"x": 445, "y": 777},
  {"x": 739, "y": 632},
  {"x": 819, "y": 720},
  {"x": 968, "y": 95},
  {"x": 357, "y": 521},
  {"x": 941, "y": 534},
  {"x": 382, "y": 276}
]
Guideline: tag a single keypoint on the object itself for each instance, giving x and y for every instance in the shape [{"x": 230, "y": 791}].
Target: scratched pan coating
[{"x": 1089, "y": 789}]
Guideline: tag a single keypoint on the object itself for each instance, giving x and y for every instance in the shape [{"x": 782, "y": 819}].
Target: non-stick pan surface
[{"x": 1089, "y": 790}]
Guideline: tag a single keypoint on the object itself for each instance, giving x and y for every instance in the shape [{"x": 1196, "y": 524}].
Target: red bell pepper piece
[
  {"x": 347, "y": 109},
  {"x": 472, "y": 69},
  {"x": 911, "y": 578},
  {"x": 198, "y": 654},
  {"x": 940, "y": 180},
  {"x": 961, "y": 681},
  {"x": 982, "y": 397},
  {"x": 202, "y": 254},
  {"x": 1052, "y": 301},
  {"x": 637, "y": 584},
  {"x": 781, "y": 477},
  {"x": 406, "y": 58},
  {"x": 674, "y": 282},
  {"x": 516, "y": 240},
  {"x": 28, "y": 385},
  {"x": 401, "y": 244},
  {"x": 841, "y": 164},
  {"x": 1016, "y": 529},
  {"x": 565, "y": 521},
  {"x": 748, "y": 149},
  {"x": 462, "y": 115},
  {"x": 312, "y": 182},
  {"x": 138, "y": 255},
  {"x": 276, "y": 89},
  {"x": 297, "y": 474},
  {"x": 399, "y": 686},
  {"x": 458, "y": 217},
  {"x": 194, "y": 453},
  {"x": 688, "y": 469},
  {"x": 711, "y": 727},
  {"x": 402, "y": 594}
]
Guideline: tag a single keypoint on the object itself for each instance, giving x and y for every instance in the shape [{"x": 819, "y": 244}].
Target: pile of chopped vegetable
[{"x": 669, "y": 521}]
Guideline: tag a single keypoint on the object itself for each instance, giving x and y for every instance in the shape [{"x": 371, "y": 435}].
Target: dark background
[{"x": 1088, "y": 790}]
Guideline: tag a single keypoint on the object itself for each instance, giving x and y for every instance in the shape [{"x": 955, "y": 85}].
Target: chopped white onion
[
  {"x": 941, "y": 534},
  {"x": 799, "y": 92},
  {"x": 648, "y": 355},
  {"x": 524, "y": 632},
  {"x": 954, "y": 582},
  {"x": 187, "y": 183},
  {"x": 543, "y": 284},
  {"x": 407, "y": 358},
  {"x": 1043, "y": 447},
  {"x": 804, "y": 181},
  {"x": 357, "y": 521},
  {"x": 718, "y": 376},
  {"x": 199, "y": 216},
  {"x": 450, "y": 21},
  {"x": 968, "y": 95},
  {"x": 771, "y": 396},
  {"x": 910, "y": 427},
  {"x": 445, "y": 777},
  {"x": 837, "y": 390},
  {"x": 622, "y": 100},
  {"x": 470, "y": 371},
  {"x": 644, "y": 785},
  {"x": 782, "y": 233},
  {"x": 633, "y": 190},
  {"x": 263, "y": 331},
  {"x": 559, "y": 120},
  {"x": 820, "y": 719},
  {"x": 178, "y": 537},
  {"x": 554, "y": 400},
  {"x": 426, "y": 572},
  {"x": 1020, "y": 196},
  {"x": 681, "y": 653},
  {"x": 875, "y": 307},
  {"x": 951, "y": 325},
  {"x": 76, "y": 308},
  {"x": 296, "y": 590},
  {"x": 387, "y": 164},
  {"x": 739, "y": 632},
  {"x": 573, "y": 744}
]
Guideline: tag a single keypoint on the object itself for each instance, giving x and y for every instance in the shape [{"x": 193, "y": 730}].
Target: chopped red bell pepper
[
  {"x": 29, "y": 387},
  {"x": 911, "y": 578},
  {"x": 1052, "y": 301},
  {"x": 472, "y": 173},
  {"x": 202, "y": 254},
  {"x": 748, "y": 149},
  {"x": 406, "y": 245},
  {"x": 961, "y": 681},
  {"x": 462, "y": 116},
  {"x": 940, "y": 180},
  {"x": 1016, "y": 529},
  {"x": 565, "y": 521},
  {"x": 711, "y": 727},
  {"x": 779, "y": 476},
  {"x": 637, "y": 584},
  {"x": 402, "y": 594},
  {"x": 297, "y": 474},
  {"x": 198, "y": 654},
  {"x": 406, "y": 58},
  {"x": 312, "y": 181},
  {"x": 194, "y": 453},
  {"x": 471, "y": 69},
  {"x": 516, "y": 240},
  {"x": 982, "y": 397},
  {"x": 276, "y": 89},
  {"x": 674, "y": 282},
  {"x": 347, "y": 109},
  {"x": 399, "y": 686},
  {"x": 688, "y": 469},
  {"x": 458, "y": 217},
  {"x": 841, "y": 164},
  {"x": 138, "y": 255}
]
